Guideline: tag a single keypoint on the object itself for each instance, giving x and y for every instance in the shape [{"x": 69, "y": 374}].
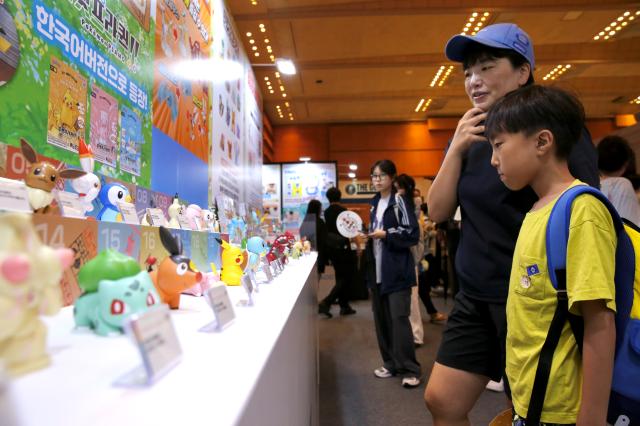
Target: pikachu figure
[{"x": 234, "y": 262}]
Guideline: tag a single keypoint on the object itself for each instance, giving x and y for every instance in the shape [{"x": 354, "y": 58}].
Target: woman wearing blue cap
[{"x": 497, "y": 60}]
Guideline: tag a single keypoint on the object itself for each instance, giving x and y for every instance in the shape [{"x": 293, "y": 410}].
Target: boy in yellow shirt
[{"x": 532, "y": 131}]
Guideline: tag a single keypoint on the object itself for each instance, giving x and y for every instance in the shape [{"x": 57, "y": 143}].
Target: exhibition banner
[
  {"x": 301, "y": 183},
  {"x": 181, "y": 103},
  {"x": 226, "y": 166},
  {"x": 271, "y": 190},
  {"x": 67, "y": 54}
]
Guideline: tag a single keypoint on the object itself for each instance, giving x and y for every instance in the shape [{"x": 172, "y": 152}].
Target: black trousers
[
  {"x": 395, "y": 338},
  {"x": 344, "y": 265},
  {"x": 424, "y": 291}
]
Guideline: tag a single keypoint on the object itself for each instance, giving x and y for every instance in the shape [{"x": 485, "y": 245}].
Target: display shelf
[{"x": 263, "y": 366}]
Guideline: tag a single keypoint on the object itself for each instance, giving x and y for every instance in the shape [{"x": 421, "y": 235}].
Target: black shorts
[{"x": 474, "y": 338}]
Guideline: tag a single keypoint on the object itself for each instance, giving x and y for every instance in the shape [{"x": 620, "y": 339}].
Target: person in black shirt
[
  {"x": 497, "y": 60},
  {"x": 341, "y": 256},
  {"x": 314, "y": 230}
]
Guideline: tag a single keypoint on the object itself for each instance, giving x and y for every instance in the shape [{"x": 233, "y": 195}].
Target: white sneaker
[
  {"x": 495, "y": 386},
  {"x": 382, "y": 373},
  {"x": 410, "y": 382}
]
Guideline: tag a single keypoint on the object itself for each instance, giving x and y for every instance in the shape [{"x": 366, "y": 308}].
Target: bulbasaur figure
[{"x": 114, "y": 287}]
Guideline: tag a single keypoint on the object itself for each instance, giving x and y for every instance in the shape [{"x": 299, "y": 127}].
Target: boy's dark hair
[
  {"x": 477, "y": 52},
  {"x": 534, "y": 108},
  {"x": 334, "y": 195},
  {"x": 613, "y": 153}
]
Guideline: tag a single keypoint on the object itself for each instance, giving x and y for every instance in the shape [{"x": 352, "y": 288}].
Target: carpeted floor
[{"x": 350, "y": 395}]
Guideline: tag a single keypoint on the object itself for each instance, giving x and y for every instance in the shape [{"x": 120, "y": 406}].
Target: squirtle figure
[
  {"x": 257, "y": 247},
  {"x": 109, "y": 196}
]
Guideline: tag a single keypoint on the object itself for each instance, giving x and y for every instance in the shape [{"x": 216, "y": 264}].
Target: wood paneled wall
[{"x": 416, "y": 148}]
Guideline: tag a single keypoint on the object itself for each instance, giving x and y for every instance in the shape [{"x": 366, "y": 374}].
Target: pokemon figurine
[
  {"x": 110, "y": 194},
  {"x": 257, "y": 247},
  {"x": 175, "y": 273},
  {"x": 234, "y": 262},
  {"x": 114, "y": 288},
  {"x": 30, "y": 275},
  {"x": 87, "y": 186},
  {"x": 296, "y": 251},
  {"x": 175, "y": 210},
  {"x": 279, "y": 249},
  {"x": 41, "y": 178},
  {"x": 193, "y": 213}
]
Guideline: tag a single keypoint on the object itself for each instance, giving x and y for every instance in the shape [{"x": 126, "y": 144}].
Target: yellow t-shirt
[{"x": 532, "y": 302}]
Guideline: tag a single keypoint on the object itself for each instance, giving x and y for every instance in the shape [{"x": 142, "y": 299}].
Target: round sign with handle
[{"x": 349, "y": 224}]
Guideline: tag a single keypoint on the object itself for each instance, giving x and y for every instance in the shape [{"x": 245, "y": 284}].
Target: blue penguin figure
[{"x": 109, "y": 196}]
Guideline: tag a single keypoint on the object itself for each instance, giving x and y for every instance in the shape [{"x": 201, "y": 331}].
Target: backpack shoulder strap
[
  {"x": 557, "y": 238},
  {"x": 557, "y": 235}
]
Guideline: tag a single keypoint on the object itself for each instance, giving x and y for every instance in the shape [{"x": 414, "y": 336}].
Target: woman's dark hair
[
  {"x": 314, "y": 207},
  {"x": 386, "y": 166},
  {"x": 613, "y": 153},
  {"x": 425, "y": 209},
  {"x": 477, "y": 52},
  {"x": 407, "y": 183},
  {"x": 530, "y": 109}
]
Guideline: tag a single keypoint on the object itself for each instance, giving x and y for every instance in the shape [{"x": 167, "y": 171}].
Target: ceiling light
[
  {"x": 419, "y": 105},
  {"x": 255, "y": 48},
  {"x": 284, "y": 95},
  {"x": 261, "y": 25},
  {"x": 351, "y": 175},
  {"x": 248, "y": 34},
  {"x": 353, "y": 167},
  {"x": 286, "y": 103},
  {"x": 262, "y": 30},
  {"x": 256, "y": 54},
  {"x": 252, "y": 41},
  {"x": 617, "y": 25},
  {"x": 286, "y": 66},
  {"x": 557, "y": 71},
  {"x": 305, "y": 159},
  {"x": 266, "y": 78},
  {"x": 266, "y": 40}
]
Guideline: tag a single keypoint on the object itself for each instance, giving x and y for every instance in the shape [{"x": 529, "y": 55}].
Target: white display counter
[{"x": 261, "y": 370}]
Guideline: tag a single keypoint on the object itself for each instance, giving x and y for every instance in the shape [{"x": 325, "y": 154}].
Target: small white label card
[
  {"x": 218, "y": 299},
  {"x": 14, "y": 196},
  {"x": 129, "y": 213},
  {"x": 254, "y": 281},
  {"x": 267, "y": 271},
  {"x": 70, "y": 204},
  {"x": 274, "y": 268},
  {"x": 157, "y": 342},
  {"x": 247, "y": 284},
  {"x": 184, "y": 222},
  {"x": 156, "y": 217}
]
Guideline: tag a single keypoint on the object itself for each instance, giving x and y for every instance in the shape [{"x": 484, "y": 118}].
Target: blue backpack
[{"x": 624, "y": 401}]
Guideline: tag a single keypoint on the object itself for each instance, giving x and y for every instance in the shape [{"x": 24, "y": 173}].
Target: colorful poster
[
  {"x": 131, "y": 141},
  {"x": 199, "y": 256},
  {"x": 9, "y": 49},
  {"x": 120, "y": 237},
  {"x": 104, "y": 126},
  {"x": 301, "y": 183},
  {"x": 214, "y": 250},
  {"x": 77, "y": 234},
  {"x": 271, "y": 190},
  {"x": 151, "y": 245},
  {"x": 67, "y": 106},
  {"x": 69, "y": 49},
  {"x": 226, "y": 164},
  {"x": 252, "y": 193},
  {"x": 146, "y": 198},
  {"x": 181, "y": 104}
]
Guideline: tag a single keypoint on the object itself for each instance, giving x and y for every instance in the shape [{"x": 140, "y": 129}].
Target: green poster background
[{"x": 24, "y": 99}]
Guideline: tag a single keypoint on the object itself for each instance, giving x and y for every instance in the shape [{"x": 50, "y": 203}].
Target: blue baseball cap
[{"x": 502, "y": 36}]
